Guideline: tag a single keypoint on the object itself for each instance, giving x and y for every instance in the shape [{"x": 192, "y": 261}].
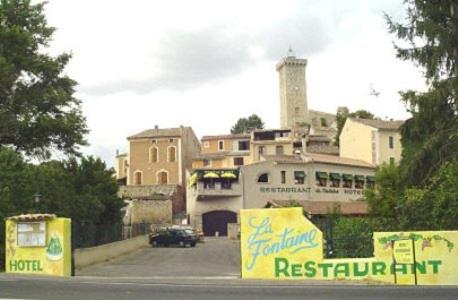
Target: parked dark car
[{"x": 172, "y": 236}]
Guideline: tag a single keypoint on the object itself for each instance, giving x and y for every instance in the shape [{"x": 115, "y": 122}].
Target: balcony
[{"x": 218, "y": 189}]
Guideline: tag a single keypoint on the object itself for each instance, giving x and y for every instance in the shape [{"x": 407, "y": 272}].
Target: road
[
  {"x": 216, "y": 257},
  {"x": 20, "y": 287}
]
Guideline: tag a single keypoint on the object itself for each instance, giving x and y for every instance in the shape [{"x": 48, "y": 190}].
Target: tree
[
  {"x": 430, "y": 137},
  {"x": 245, "y": 125},
  {"x": 343, "y": 113},
  {"x": 38, "y": 112}
]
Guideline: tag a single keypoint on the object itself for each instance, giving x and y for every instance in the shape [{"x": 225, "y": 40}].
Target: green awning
[
  {"x": 335, "y": 176},
  {"x": 370, "y": 178},
  {"x": 347, "y": 177},
  {"x": 211, "y": 175},
  {"x": 299, "y": 174},
  {"x": 321, "y": 175},
  {"x": 359, "y": 178}
]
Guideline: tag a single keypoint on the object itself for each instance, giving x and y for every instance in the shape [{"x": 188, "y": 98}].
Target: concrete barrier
[{"x": 88, "y": 256}]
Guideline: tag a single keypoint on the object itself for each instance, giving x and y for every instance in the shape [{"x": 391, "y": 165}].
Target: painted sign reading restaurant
[
  {"x": 38, "y": 246},
  {"x": 282, "y": 244}
]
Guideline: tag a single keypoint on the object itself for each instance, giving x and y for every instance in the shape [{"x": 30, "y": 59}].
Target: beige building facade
[
  {"x": 308, "y": 180},
  {"x": 374, "y": 141}
]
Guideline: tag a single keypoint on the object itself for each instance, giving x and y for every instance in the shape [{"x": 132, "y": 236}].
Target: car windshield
[{"x": 189, "y": 231}]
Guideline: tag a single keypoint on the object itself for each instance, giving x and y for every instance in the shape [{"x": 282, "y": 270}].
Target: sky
[{"x": 205, "y": 64}]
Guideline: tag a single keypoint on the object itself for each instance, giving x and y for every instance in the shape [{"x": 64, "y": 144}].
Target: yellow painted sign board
[
  {"x": 280, "y": 243},
  {"x": 38, "y": 247},
  {"x": 403, "y": 252}
]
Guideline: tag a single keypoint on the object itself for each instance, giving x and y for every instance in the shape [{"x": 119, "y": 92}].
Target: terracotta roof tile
[
  {"x": 226, "y": 136},
  {"x": 380, "y": 124},
  {"x": 160, "y": 132}
]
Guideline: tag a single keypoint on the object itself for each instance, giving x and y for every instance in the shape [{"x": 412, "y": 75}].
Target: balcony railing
[{"x": 218, "y": 189}]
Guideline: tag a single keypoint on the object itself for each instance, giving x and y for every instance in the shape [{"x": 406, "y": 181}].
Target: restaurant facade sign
[{"x": 280, "y": 243}]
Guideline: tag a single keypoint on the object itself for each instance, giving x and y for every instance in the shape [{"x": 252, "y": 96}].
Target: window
[
  {"x": 391, "y": 142},
  {"x": 321, "y": 178},
  {"x": 299, "y": 177},
  {"x": 261, "y": 150},
  {"x": 263, "y": 178},
  {"x": 392, "y": 160},
  {"x": 153, "y": 141},
  {"x": 359, "y": 181},
  {"x": 206, "y": 162},
  {"x": 279, "y": 150},
  {"x": 370, "y": 181},
  {"x": 206, "y": 144},
  {"x": 220, "y": 145},
  {"x": 138, "y": 178},
  {"x": 283, "y": 177},
  {"x": 335, "y": 179},
  {"x": 347, "y": 181},
  {"x": 171, "y": 153},
  {"x": 162, "y": 177},
  {"x": 154, "y": 154},
  {"x": 31, "y": 234},
  {"x": 170, "y": 140},
  {"x": 238, "y": 161},
  {"x": 244, "y": 145}
]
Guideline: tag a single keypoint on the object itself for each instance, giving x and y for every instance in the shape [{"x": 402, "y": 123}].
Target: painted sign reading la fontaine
[{"x": 281, "y": 243}]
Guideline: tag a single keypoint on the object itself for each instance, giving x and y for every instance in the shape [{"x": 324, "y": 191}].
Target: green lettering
[
  {"x": 310, "y": 270},
  {"x": 341, "y": 268},
  {"x": 296, "y": 270},
  {"x": 398, "y": 268},
  {"x": 27, "y": 265},
  {"x": 13, "y": 265},
  {"x": 281, "y": 269},
  {"x": 378, "y": 268},
  {"x": 20, "y": 265},
  {"x": 420, "y": 267},
  {"x": 358, "y": 272},
  {"x": 325, "y": 268},
  {"x": 435, "y": 264}
]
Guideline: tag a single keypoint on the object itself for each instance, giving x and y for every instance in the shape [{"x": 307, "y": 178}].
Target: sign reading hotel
[
  {"x": 280, "y": 243},
  {"x": 38, "y": 244}
]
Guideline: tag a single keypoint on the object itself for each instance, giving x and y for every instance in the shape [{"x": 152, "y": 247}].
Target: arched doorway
[{"x": 216, "y": 221}]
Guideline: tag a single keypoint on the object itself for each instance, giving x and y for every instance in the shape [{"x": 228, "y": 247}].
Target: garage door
[{"x": 216, "y": 221}]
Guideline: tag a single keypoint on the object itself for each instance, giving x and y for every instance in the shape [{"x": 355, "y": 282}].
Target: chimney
[
  {"x": 117, "y": 152},
  {"x": 156, "y": 127}
]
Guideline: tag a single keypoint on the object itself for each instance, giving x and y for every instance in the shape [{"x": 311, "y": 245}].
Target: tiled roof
[
  {"x": 331, "y": 159},
  {"x": 159, "y": 132},
  {"x": 226, "y": 136},
  {"x": 380, "y": 124},
  {"x": 326, "y": 207},
  {"x": 319, "y": 158},
  {"x": 326, "y": 149},
  {"x": 33, "y": 217}
]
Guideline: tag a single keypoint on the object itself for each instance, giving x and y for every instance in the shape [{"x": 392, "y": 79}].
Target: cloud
[{"x": 183, "y": 59}]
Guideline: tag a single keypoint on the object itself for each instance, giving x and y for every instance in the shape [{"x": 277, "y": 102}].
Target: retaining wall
[{"x": 88, "y": 256}]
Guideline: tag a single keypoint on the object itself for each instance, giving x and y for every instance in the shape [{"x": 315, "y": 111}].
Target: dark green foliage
[
  {"x": 343, "y": 114},
  {"x": 83, "y": 190},
  {"x": 38, "y": 113},
  {"x": 430, "y": 137},
  {"x": 352, "y": 237},
  {"x": 245, "y": 125}
]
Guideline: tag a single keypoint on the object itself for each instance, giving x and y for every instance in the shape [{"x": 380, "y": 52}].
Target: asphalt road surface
[
  {"x": 215, "y": 257},
  {"x": 14, "y": 287}
]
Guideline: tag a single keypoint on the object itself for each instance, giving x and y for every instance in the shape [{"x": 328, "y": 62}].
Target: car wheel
[
  {"x": 154, "y": 244},
  {"x": 182, "y": 244},
  {"x": 193, "y": 244}
]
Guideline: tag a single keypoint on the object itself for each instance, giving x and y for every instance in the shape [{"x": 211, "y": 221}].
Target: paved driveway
[{"x": 215, "y": 257}]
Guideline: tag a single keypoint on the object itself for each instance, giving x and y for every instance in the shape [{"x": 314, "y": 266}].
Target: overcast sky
[{"x": 207, "y": 63}]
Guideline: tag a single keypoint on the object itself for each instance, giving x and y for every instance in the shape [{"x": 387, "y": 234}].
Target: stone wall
[{"x": 151, "y": 211}]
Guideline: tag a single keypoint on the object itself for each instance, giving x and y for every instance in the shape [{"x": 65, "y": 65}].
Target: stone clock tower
[{"x": 293, "y": 92}]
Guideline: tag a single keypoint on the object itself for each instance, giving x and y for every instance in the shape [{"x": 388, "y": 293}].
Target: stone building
[
  {"x": 155, "y": 170},
  {"x": 374, "y": 141},
  {"x": 224, "y": 151},
  {"x": 294, "y": 110}
]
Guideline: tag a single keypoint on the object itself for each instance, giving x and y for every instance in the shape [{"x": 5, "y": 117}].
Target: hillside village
[{"x": 169, "y": 177}]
